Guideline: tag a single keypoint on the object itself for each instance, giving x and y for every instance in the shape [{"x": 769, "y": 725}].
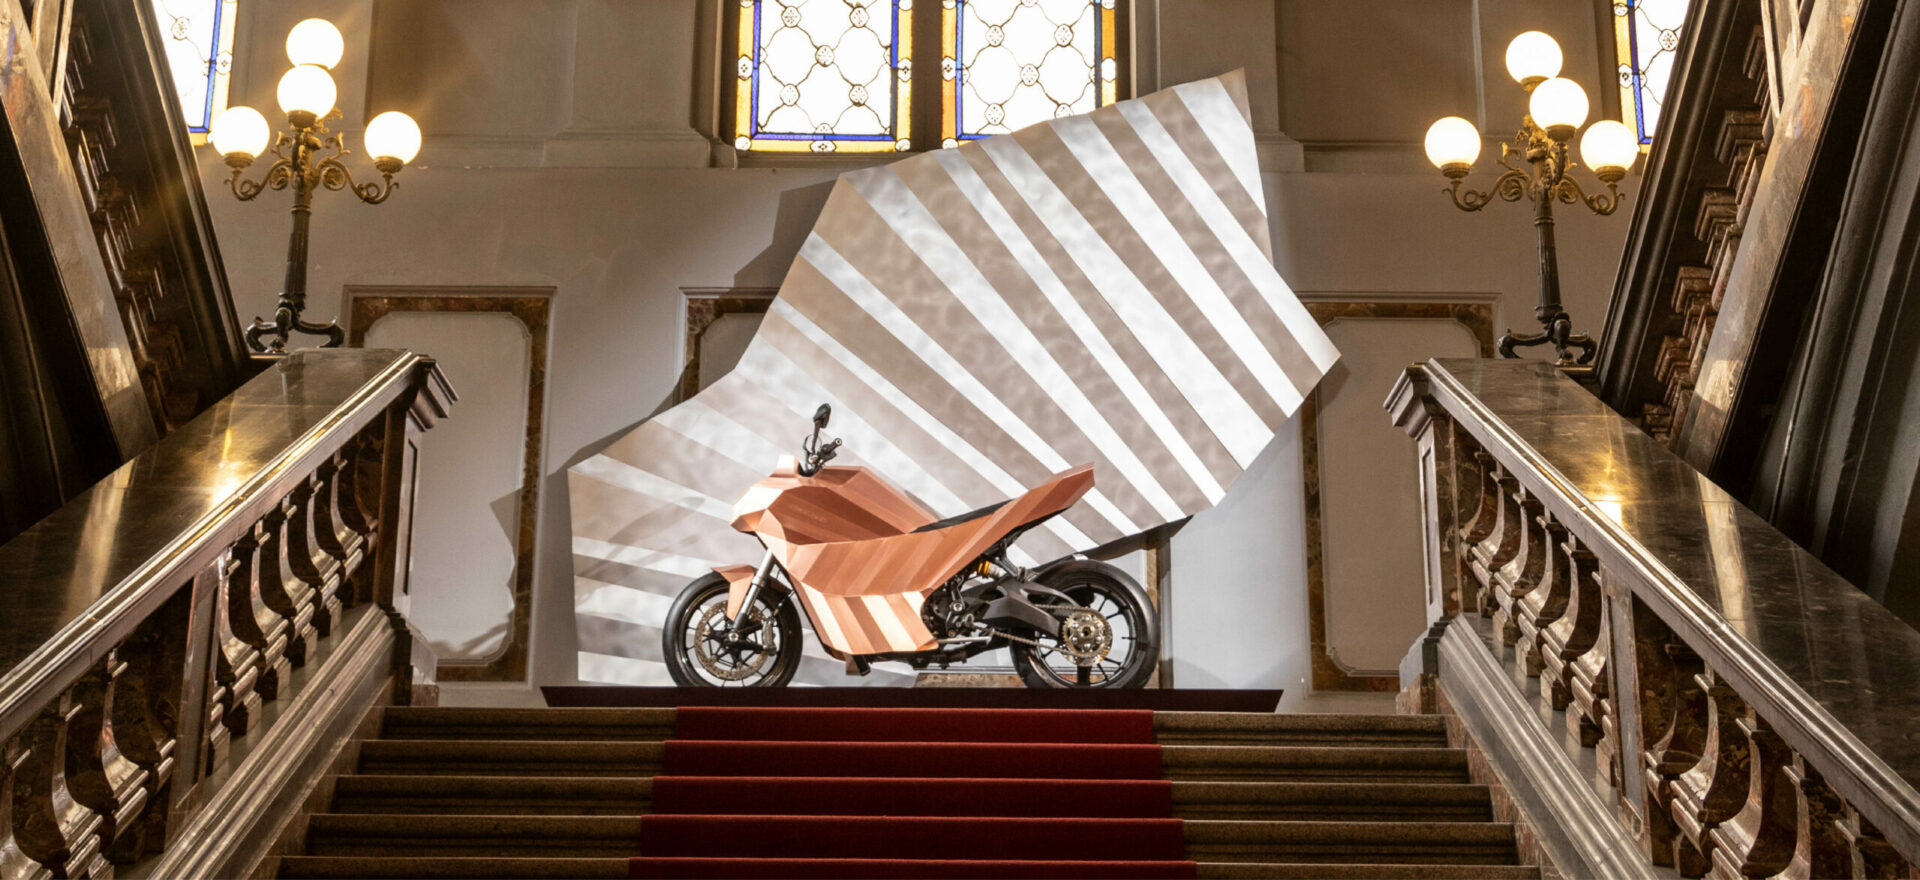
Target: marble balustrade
[
  {"x": 1748, "y": 712},
  {"x": 149, "y": 623}
]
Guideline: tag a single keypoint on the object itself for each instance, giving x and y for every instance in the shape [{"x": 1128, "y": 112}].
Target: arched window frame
[{"x": 927, "y": 109}]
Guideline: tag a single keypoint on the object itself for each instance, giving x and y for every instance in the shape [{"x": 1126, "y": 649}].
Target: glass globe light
[
  {"x": 393, "y": 135},
  {"x": 1609, "y": 148},
  {"x": 1532, "y": 57},
  {"x": 1558, "y": 105},
  {"x": 307, "y": 88},
  {"x": 240, "y": 132},
  {"x": 315, "y": 41},
  {"x": 1453, "y": 142}
]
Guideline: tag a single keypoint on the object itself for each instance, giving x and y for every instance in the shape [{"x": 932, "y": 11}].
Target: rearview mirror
[{"x": 821, "y": 415}]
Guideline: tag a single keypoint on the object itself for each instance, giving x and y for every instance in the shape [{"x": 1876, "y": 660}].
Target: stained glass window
[
  {"x": 198, "y": 39},
  {"x": 1646, "y": 34},
  {"x": 1010, "y": 63},
  {"x": 823, "y": 75},
  {"x": 838, "y": 75}
]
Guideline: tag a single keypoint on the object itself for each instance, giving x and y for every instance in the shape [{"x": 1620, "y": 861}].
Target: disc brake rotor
[
  {"x": 714, "y": 643},
  {"x": 1086, "y": 637}
]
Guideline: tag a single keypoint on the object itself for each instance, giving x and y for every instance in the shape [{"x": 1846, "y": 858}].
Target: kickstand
[
  {"x": 1085, "y": 676},
  {"x": 857, "y": 665}
]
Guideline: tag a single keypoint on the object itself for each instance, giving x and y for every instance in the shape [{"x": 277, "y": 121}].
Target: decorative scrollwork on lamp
[
  {"x": 1556, "y": 108},
  {"x": 307, "y": 158}
]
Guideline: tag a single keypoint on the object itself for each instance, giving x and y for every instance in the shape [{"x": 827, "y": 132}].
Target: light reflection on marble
[
  {"x": 53, "y": 573},
  {"x": 1844, "y": 650}
]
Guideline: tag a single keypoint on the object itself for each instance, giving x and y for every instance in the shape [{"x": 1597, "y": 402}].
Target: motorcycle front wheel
[
  {"x": 761, "y": 648},
  {"x": 1135, "y": 631}
]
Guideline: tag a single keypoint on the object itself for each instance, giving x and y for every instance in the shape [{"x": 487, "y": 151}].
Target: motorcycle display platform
[{"x": 1161, "y": 700}]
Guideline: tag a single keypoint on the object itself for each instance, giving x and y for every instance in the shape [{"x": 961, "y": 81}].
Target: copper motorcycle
[{"x": 882, "y": 578}]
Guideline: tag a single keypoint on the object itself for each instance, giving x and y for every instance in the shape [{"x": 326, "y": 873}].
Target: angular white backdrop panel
[{"x": 1098, "y": 288}]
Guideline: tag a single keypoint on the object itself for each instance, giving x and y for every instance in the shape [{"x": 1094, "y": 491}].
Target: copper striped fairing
[
  {"x": 848, "y": 541},
  {"x": 1096, "y": 288}
]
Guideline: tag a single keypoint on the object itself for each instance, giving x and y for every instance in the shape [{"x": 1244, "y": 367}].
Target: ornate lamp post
[
  {"x": 306, "y": 94},
  {"x": 1557, "y": 106}
]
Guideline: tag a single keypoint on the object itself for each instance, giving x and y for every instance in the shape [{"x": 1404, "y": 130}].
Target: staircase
[{"x": 736, "y": 792}]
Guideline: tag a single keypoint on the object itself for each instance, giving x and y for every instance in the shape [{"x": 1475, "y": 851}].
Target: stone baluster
[
  {"x": 1546, "y": 603},
  {"x": 321, "y": 575},
  {"x": 1714, "y": 789},
  {"x": 145, "y": 724},
  {"x": 359, "y": 502},
  {"x": 326, "y": 525},
  {"x": 1501, "y": 544},
  {"x": 50, "y": 826},
  {"x": 1467, "y": 490},
  {"x": 1673, "y": 730},
  {"x": 1485, "y": 518},
  {"x": 1871, "y": 855},
  {"x": 1820, "y": 843},
  {"x": 14, "y": 864},
  {"x": 1759, "y": 840},
  {"x": 252, "y": 620},
  {"x": 234, "y": 700},
  {"x": 288, "y": 598},
  {"x": 1589, "y": 679},
  {"x": 357, "y": 456},
  {"x": 1483, "y": 505},
  {"x": 1520, "y": 572},
  {"x": 1577, "y": 628},
  {"x": 100, "y": 776}
]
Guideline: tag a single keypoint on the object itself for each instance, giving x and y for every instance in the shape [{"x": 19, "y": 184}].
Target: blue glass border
[
  {"x": 959, "y": 69},
  {"x": 1634, "y": 74},
  {"x": 213, "y": 62},
  {"x": 893, "y": 90}
]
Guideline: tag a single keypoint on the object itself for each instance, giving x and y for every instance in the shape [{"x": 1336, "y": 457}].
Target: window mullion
[{"x": 927, "y": 85}]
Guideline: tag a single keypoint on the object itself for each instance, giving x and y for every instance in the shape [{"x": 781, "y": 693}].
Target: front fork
[{"x": 752, "y": 589}]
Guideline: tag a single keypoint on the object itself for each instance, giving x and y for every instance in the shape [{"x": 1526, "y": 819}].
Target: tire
[
  {"x": 705, "y": 601},
  {"x": 1114, "y": 595}
]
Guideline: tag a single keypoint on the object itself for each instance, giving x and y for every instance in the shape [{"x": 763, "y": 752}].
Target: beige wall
[{"x": 560, "y": 153}]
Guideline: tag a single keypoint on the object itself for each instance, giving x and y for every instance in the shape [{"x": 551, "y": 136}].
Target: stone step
[
  {"x": 438, "y": 867},
  {"x": 443, "y": 757},
  {"x": 402, "y": 835},
  {"x": 548, "y": 868},
  {"x": 1333, "y": 801},
  {"x": 463, "y": 722},
  {"x": 1322, "y": 871},
  {"x": 1245, "y": 728},
  {"x": 498, "y": 795},
  {"x": 1279, "y": 763},
  {"x": 422, "y": 757},
  {"x": 1411, "y": 843},
  {"x": 643, "y": 724},
  {"x": 524, "y": 836}
]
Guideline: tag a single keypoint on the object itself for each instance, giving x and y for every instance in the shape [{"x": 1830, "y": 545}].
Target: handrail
[
  {"x": 1773, "y": 702},
  {"x": 193, "y": 580}
]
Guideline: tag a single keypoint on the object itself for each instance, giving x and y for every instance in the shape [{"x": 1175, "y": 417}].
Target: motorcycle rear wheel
[
  {"x": 697, "y": 650},
  {"x": 1115, "y": 596}
]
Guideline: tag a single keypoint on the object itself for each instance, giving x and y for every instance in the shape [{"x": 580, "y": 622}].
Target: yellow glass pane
[
  {"x": 949, "y": 28},
  {"x": 1109, "y": 72}
]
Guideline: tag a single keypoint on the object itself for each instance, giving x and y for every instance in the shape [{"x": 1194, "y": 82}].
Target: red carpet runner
[{"x": 911, "y": 793}]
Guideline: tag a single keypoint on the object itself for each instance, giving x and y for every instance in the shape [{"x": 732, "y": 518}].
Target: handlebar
[{"x": 817, "y": 456}]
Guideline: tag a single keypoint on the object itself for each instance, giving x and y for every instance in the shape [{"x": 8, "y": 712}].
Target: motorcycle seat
[{"x": 960, "y": 518}]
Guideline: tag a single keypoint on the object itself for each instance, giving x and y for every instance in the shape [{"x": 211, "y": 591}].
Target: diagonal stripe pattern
[{"x": 1098, "y": 288}]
